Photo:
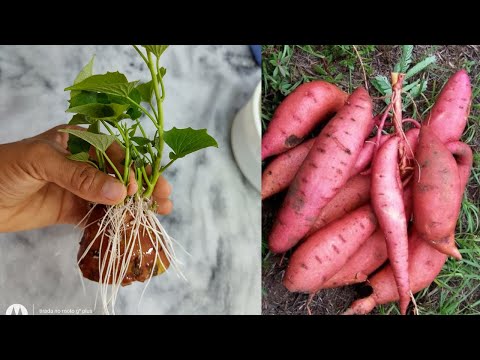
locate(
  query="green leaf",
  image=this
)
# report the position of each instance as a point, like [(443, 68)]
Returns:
[(132, 130), (82, 156), (141, 149), (420, 66), (186, 141), (94, 127), (146, 91), (157, 50), (99, 141), (140, 140), (77, 145), (79, 119), (410, 86), (405, 59), (113, 83), (163, 71), (89, 97), (134, 111), (86, 72), (381, 83), (100, 111)]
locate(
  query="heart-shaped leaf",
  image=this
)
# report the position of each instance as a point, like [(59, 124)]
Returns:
[(99, 141), (79, 119), (89, 97), (113, 83), (86, 72), (187, 141), (146, 91), (100, 111)]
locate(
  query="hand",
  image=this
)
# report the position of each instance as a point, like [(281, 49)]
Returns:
[(39, 186)]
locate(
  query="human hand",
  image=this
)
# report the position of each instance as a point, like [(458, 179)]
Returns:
[(39, 186)]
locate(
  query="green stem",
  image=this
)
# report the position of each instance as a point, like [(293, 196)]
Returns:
[(113, 167), (156, 166), (153, 108), (104, 123), (145, 111), (126, 166), (150, 150), (145, 176), (163, 168), (141, 54)]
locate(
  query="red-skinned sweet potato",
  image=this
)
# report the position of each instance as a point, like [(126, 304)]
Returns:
[(371, 255), (299, 113), (323, 254), (424, 265), (387, 201), (324, 172), (355, 193), (278, 175), (436, 193), (449, 115)]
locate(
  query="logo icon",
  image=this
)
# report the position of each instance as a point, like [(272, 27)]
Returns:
[(16, 309)]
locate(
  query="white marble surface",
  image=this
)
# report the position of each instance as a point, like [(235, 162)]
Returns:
[(217, 212)]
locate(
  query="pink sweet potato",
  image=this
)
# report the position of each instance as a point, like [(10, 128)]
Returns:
[(424, 265), (278, 175), (299, 113), (436, 193), (387, 201), (448, 116), (325, 252), (464, 157), (369, 257), (354, 194), (324, 172)]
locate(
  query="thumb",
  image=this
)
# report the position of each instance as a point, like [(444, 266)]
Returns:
[(84, 180)]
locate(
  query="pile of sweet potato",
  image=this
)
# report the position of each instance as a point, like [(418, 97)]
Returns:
[(379, 208)]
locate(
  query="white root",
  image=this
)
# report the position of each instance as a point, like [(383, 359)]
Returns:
[(113, 263)]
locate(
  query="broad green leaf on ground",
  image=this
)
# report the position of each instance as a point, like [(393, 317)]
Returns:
[(186, 141), (79, 119), (89, 97), (100, 111), (77, 145), (99, 141), (140, 140), (86, 72), (405, 59), (381, 83), (146, 91), (157, 50), (420, 66), (113, 83)]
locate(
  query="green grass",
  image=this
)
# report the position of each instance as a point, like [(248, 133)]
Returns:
[(456, 290)]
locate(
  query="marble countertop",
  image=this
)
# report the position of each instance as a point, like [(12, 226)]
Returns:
[(216, 213)]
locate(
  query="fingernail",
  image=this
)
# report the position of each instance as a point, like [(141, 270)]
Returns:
[(113, 190)]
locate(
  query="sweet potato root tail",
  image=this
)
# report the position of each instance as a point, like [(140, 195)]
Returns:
[(361, 306)]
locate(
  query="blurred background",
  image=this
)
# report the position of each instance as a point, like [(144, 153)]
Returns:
[(216, 214)]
